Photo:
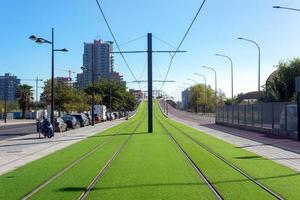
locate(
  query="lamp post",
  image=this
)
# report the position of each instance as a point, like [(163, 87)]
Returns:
[(205, 89), (5, 99), (190, 85), (215, 72), (258, 47), (231, 63), (44, 41), (286, 8)]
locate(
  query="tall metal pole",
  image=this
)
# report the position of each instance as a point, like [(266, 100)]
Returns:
[(93, 84), (52, 81), (36, 96), (5, 100), (150, 111), (216, 82), (110, 101), (258, 47), (231, 63), (297, 89)]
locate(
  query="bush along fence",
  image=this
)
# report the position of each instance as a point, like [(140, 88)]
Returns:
[(272, 118)]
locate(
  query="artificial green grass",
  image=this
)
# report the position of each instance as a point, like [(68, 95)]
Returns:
[(16, 184), (228, 182), (76, 180), (283, 180), (151, 167)]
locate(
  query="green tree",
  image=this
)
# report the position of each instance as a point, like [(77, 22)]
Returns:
[(66, 98), (281, 84), (202, 99), (24, 95), (114, 92)]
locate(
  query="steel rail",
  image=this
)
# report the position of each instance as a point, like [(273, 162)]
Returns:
[(205, 147), (192, 163), (107, 165), (71, 165)]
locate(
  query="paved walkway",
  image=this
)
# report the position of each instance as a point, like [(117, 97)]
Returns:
[(19, 151), (283, 151), (15, 123)]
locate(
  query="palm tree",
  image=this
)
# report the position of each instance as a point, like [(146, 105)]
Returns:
[(25, 98)]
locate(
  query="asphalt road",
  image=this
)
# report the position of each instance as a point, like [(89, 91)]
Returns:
[(12, 131)]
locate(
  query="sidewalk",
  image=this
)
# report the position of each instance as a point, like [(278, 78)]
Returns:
[(16, 152), (283, 151), (16, 123)]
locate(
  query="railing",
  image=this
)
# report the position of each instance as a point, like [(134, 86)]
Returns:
[(274, 118), (202, 118)]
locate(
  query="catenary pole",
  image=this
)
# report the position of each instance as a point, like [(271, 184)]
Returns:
[(150, 111)]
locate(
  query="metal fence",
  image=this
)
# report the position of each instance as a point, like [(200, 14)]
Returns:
[(274, 118)]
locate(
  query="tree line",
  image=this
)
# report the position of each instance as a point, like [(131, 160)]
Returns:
[(67, 98), (279, 87)]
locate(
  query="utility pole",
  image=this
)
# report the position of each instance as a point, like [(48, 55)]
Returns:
[(52, 80), (5, 100), (110, 101), (150, 81), (150, 111)]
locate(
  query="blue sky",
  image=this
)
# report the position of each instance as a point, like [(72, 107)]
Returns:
[(215, 31)]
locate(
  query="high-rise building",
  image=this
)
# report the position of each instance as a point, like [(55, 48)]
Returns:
[(185, 99), (97, 54), (8, 87)]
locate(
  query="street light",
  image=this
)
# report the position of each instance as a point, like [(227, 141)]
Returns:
[(205, 89), (193, 81), (258, 47), (44, 41), (216, 87), (286, 8), (190, 85), (221, 55)]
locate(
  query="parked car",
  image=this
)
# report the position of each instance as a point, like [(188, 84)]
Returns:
[(108, 116), (100, 110), (82, 119), (121, 114), (112, 116), (97, 119), (116, 115), (71, 121), (89, 116), (60, 125)]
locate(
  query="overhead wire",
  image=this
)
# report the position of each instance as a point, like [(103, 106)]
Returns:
[(157, 69), (165, 42), (131, 41), (114, 38), (144, 69), (181, 42)]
